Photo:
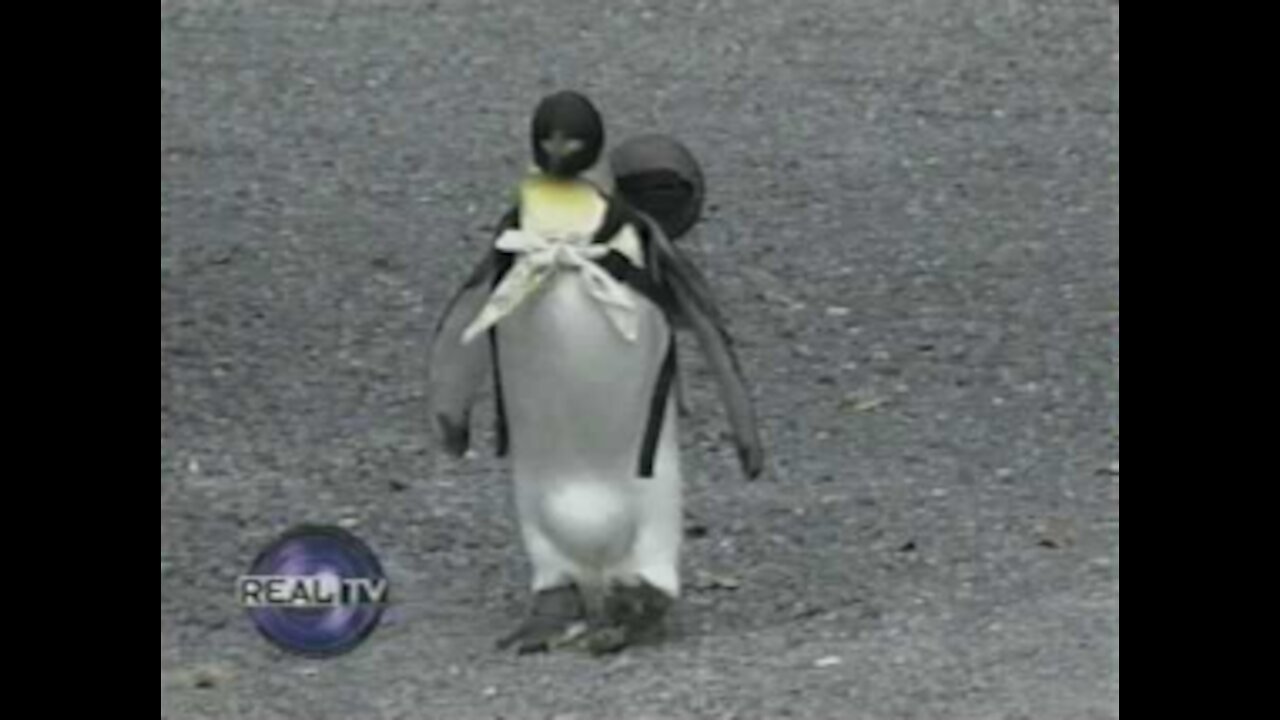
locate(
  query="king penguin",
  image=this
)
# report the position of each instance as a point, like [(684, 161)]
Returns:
[(574, 313)]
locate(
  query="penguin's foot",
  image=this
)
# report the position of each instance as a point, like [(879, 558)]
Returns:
[(632, 614), (638, 608), (556, 620)]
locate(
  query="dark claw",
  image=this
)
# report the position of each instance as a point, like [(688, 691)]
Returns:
[(752, 460), (457, 437), (607, 641), (533, 637)]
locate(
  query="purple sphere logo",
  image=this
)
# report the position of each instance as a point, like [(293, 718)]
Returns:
[(317, 591)]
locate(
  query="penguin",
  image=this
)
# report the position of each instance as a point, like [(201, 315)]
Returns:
[(574, 313)]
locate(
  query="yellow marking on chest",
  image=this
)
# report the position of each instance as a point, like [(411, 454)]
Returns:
[(557, 207)]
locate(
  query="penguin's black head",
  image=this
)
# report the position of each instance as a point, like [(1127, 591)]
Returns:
[(568, 135)]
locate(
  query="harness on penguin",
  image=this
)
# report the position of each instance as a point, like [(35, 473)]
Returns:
[(668, 278), (618, 266)]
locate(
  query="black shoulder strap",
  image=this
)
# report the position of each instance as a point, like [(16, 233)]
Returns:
[(503, 261), (616, 215), (645, 281), (658, 411)]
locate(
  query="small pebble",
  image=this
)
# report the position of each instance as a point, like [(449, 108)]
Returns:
[(697, 531), (209, 677), (869, 405), (721, 582)]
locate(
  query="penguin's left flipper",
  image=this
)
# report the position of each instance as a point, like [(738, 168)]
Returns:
[(694, 307)]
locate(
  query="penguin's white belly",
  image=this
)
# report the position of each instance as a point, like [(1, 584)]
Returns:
[(578, 397)]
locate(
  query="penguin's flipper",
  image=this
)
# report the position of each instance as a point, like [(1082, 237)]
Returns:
[(695, 308), (457, 371)]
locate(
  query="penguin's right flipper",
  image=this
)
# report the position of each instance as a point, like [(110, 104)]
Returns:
[(694, 307), (457, 371)]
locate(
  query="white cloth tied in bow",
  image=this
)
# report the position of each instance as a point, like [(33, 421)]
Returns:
[(540, 257)]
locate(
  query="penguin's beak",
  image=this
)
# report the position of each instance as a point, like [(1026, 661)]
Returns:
[(556, 165), (560, 150)]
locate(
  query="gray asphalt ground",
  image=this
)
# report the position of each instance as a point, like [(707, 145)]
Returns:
[(914, 223)]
